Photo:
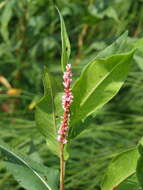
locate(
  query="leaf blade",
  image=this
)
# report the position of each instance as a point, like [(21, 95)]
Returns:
[(45, 114), (27, 171), (120, 168), (66, 49), (99, 82), (130, 183), (116, 47), (139, 169), (48, 114), (6, 17)]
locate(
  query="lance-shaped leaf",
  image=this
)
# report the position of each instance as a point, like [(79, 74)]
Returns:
[(120, 168), (66, 49), (48, 112), (99, 82), (30, 175), (45, 114)]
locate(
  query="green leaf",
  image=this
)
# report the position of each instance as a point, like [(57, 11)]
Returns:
[(48, 113), (5, 19), (120, 168), (30, 175), (111, 13), (131, 183), (139, 60), (139, 169), (117, 47), (95, 11), (45, 114), (98, 83), (139, 57), (66, 49)]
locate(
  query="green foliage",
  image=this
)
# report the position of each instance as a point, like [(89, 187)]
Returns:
[(46, 114), (33, 31), (130, 183), (66, 49), (99, 82), (121, 167), (118, 47), (139, 169), (6, 17), (31, 175)]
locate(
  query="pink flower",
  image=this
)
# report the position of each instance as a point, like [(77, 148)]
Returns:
[(67, 99)]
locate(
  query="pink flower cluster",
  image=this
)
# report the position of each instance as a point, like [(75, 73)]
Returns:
[(66, 102)]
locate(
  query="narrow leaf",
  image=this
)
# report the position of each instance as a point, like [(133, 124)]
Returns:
[(120, 168), (66, 49), (30, 175)]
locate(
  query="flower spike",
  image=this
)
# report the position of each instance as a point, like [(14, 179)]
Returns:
[(67, 99)]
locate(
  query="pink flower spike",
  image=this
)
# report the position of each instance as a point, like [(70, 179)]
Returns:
[(67, 99)]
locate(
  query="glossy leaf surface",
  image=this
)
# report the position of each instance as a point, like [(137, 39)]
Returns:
[(98, 83)]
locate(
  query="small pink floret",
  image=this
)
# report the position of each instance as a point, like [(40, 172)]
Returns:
[(59, 138), (65, 141), (67, 99)]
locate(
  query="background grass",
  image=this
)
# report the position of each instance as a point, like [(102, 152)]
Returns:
[(30, 39)]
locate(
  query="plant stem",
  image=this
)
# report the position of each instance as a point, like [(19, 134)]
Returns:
[(62, 167)]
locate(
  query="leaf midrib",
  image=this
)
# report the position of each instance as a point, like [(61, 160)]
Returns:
[(27, 165), (100, 82)]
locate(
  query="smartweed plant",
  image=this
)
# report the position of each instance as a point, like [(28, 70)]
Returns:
[(62, 115)]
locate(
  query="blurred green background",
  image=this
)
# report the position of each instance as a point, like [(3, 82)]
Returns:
[(30, 39)]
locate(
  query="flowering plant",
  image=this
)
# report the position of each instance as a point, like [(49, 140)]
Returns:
[(66, 102), (97, 84)]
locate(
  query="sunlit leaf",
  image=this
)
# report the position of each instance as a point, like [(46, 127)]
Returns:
[(98, 83), (120, 168)]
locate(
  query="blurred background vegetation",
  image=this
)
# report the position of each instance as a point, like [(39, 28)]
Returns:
[(30, 39)]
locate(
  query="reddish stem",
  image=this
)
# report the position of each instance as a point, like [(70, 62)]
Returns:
[(62, 167)]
